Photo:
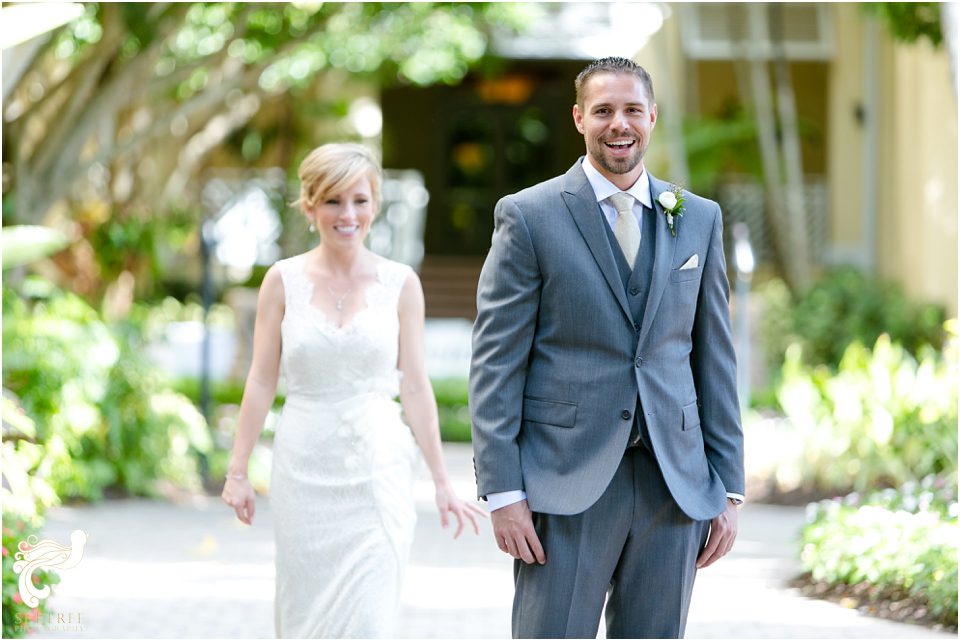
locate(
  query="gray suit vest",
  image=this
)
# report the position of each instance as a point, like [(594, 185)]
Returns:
[(636, 284)]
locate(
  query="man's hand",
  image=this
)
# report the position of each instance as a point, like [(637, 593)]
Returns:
[(513, 529), (723, 532)]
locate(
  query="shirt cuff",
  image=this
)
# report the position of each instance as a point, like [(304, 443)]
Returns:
[(737, 498), (497, 500)]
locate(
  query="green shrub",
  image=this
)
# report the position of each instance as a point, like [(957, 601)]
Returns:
[(25, 490), (152, 319), (26, 494), (843, 307), (227, 392), (882, 418), (105, 417), (895, 540), (18, 617), (776, 322), (452, 405)]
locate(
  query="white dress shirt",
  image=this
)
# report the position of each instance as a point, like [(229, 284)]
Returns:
[(602, 190)]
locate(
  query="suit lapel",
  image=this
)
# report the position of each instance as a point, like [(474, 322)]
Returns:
[(663, 257), (582, 203)]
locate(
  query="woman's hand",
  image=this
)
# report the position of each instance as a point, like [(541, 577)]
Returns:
[(448, 503), (238, 493)]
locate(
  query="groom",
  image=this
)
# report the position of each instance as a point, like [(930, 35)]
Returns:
[(606, 426)]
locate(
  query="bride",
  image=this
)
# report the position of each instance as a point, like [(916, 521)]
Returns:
[(346, 326)]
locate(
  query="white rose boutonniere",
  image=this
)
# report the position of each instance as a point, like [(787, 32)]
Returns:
[(672, 202)]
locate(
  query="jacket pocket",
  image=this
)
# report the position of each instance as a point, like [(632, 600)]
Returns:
[(691, 417), (559, 413), (685, 275)]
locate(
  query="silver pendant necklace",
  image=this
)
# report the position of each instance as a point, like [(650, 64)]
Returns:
[(340, 299)]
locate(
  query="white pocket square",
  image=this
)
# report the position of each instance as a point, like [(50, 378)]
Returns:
[(692, 263)]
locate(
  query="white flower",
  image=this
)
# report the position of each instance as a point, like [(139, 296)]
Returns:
[(668, 199)]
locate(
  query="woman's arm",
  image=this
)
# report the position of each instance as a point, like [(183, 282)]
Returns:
[(258, 394), (420, 406)]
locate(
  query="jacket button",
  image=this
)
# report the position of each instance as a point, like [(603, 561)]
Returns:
[(634, 291), (636, 327), (625, 415), (638, 362)]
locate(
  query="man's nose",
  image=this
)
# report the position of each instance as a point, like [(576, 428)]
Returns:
[(620, 120)]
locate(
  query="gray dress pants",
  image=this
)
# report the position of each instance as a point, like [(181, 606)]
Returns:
[(634, 547)]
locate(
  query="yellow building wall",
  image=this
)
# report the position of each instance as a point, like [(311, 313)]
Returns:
[(917, 232), (845, 143), (916, 186)]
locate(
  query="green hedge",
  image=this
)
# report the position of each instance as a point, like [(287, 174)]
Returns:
[(842, 307), (896, 541), (452, 405), (19, 619), (882, 419), (105, 417)]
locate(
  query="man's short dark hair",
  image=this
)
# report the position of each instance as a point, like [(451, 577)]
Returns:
[(613, 65)]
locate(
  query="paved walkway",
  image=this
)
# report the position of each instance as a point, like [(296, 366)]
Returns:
[(157, 569)]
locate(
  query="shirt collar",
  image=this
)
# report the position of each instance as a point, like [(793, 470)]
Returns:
[(603, 188)]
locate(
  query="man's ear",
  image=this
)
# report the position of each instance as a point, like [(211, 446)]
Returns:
[(653, 114), (577, 118)]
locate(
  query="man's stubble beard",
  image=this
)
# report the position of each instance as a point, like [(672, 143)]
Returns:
[(624, 166), (616, 166)]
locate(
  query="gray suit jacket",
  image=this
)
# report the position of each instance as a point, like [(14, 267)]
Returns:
[(558, 364)]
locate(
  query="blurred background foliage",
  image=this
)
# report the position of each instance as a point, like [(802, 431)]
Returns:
[(862, 397), (909, 21), (120, 110), (115, 114), (844, 306), (104, 416), (895, 548)]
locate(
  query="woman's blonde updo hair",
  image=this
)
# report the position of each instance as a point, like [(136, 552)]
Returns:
[(332, 168)]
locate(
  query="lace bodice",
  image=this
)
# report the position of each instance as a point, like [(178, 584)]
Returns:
[(324, 362)]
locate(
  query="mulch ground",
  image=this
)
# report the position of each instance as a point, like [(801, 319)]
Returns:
[(765, 491), (895, 605)]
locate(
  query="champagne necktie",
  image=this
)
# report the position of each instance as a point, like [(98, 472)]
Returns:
[(626, 229)]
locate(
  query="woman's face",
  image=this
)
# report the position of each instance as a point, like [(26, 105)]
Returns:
[(344, 219)]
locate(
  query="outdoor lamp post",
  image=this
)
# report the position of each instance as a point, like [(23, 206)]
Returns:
[(208, 246), (744, 261)]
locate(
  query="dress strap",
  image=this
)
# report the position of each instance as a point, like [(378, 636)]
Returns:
[(393, 275), (296, 287)]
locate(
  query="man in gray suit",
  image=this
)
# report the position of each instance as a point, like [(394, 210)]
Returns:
[(606, 425)]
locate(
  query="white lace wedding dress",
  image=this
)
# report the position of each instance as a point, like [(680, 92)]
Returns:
[(343, 462)]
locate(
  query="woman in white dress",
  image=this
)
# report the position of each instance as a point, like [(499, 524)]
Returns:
[(346, 328)]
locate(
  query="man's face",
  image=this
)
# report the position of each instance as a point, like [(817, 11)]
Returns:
[(616, 121)]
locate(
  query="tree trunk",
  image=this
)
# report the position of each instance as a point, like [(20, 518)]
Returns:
[(792, 157), (676, 148), (782, 163)]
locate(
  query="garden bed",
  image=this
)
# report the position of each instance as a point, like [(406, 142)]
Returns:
[(887, 603)]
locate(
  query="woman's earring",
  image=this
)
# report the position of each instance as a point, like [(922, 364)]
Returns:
[(312, 226)]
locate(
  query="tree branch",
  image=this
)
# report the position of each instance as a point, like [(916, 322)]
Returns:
[(60, 165)]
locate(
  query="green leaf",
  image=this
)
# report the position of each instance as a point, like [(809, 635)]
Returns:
[(24, 244), (15, 421)]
